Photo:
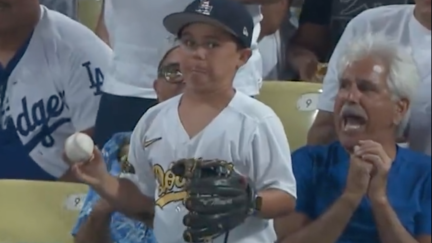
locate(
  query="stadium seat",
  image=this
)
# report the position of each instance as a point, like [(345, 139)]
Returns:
[(88, 12), (39, 212), (295, 104)]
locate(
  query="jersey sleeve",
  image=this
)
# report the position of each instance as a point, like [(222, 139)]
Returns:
[(143, 178), (304, 174), (86, 67), (331, 79), (271, 159), (423, 220)]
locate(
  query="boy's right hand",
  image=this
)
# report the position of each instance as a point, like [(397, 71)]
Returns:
[(92, 172)]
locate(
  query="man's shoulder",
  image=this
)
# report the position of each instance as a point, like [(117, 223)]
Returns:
[(155, 113), (156, 110), (382, 15), (319, 155), (250, 108), (415, 160), (64, 34)]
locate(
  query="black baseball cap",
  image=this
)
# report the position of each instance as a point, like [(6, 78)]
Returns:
[(229, 15)]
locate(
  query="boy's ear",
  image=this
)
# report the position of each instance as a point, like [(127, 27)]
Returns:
[(245, 54)]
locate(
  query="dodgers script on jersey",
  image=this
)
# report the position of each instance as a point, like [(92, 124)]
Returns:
[(138, 41), (246, 133), (54, 89)]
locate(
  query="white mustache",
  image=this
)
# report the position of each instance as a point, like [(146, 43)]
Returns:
[(352, 110)]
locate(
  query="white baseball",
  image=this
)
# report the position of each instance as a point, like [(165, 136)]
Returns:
[(79, 147)]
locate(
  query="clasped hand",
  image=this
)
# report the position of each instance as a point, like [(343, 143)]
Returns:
[(369, 168)]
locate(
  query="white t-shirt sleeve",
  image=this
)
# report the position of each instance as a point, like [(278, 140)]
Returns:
[(331, 79), (87, 67), (270, 157), (143, 178)]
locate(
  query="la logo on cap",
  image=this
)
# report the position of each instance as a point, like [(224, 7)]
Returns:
[(245, 32), (204, 7)]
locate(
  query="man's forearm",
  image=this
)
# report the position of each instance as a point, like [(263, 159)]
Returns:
[(389, 226), (125, 196), (329, 227), (95, 229)]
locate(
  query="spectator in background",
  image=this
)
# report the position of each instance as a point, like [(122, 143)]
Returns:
[(105, 22), (135, 61), (66, 7), (269, 41), (98, 222), (322, 23), (410, 26), (364, 188), (51, 72)]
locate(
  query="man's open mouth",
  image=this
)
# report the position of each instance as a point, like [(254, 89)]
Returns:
[(353, 123)]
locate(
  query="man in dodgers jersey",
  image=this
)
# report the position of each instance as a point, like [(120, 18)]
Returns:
[(135, 32), (210, 120), (51, 73), (410, 25), (98, 222)]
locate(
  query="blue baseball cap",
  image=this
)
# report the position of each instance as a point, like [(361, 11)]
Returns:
[(230, 15)]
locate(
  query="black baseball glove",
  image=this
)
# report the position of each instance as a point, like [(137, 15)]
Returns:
[(218, 199)]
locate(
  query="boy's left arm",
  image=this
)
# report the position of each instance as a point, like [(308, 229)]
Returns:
[(271, 169)]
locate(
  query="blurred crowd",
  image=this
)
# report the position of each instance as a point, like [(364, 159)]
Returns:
[(352, 182)]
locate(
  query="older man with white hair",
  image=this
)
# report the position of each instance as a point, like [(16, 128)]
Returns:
[(364, 188), (408, 25)]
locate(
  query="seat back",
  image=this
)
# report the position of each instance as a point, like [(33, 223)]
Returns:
[(296, 105), (39, 212)]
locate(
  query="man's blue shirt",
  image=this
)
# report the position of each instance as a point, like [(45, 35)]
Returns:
[(321, 173), (123, 229)]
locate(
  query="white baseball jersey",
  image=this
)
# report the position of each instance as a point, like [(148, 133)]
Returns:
[(246, 133), (397, 21), (136, 47), (54, 90)]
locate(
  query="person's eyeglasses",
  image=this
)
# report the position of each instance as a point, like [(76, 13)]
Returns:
[(171, 73)]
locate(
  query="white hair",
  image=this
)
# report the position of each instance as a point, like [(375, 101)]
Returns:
[(403, 77)]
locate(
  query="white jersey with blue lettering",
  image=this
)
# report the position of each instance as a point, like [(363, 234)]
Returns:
[(246, 133), (138, 42), (54, 89)]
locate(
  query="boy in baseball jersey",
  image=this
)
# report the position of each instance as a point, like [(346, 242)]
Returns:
[(51, 72), (211, 120), (98, 222), (135, 32)]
